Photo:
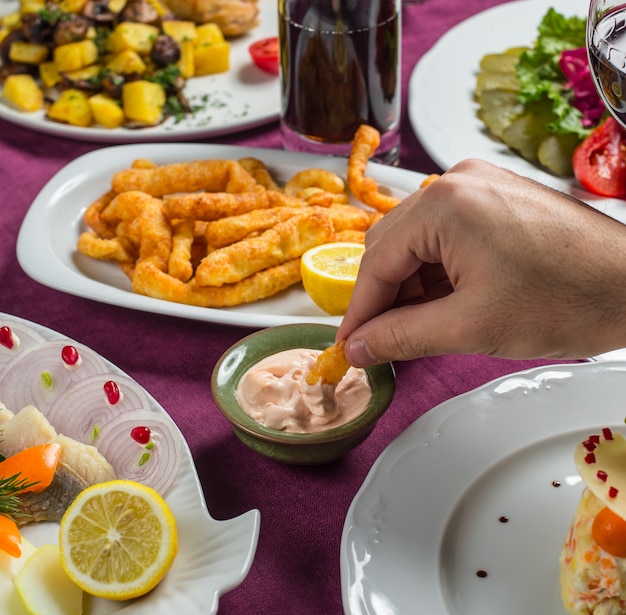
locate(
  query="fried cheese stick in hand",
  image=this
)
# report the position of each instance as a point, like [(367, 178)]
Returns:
[(283, 242), (330, 367)]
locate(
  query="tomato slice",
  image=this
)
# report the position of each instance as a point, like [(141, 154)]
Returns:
[(599, 162), (265, 54)]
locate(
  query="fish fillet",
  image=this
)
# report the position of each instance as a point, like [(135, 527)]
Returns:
[(80, 465)]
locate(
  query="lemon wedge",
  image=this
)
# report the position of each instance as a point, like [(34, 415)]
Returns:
[(118, 539), (329, 272), (44, 587)]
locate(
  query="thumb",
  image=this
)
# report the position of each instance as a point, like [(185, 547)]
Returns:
[(427, 329)]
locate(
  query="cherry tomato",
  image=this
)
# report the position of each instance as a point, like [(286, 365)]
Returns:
[(265, 54), (609, 531), (600, 160)]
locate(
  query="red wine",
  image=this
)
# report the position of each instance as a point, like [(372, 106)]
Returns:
[(607, 60), (335, 77)]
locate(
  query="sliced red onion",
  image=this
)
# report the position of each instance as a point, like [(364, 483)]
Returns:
[(155, 464), (85, 406), (20, 338), (40, 376)]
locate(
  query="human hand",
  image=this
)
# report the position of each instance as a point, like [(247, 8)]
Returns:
[(484, 261)]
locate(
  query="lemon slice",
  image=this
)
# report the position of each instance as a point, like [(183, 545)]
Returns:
[(118, 539), (329, 272)]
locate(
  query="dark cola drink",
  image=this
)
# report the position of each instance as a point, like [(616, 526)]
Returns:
[(339, 69)]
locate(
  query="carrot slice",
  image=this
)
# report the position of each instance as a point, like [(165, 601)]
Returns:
[(34, 466), (10, 537), (609, 531)]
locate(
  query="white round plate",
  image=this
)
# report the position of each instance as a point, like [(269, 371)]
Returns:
[(442, 109), (46, 244), (484, 482), (213, 556), (239, 99)]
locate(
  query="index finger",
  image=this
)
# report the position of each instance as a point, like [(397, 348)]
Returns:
[(386, 263)]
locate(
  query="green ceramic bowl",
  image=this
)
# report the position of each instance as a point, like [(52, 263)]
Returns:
[(314, 448)]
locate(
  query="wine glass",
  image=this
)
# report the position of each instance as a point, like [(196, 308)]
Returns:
[(606, 49)]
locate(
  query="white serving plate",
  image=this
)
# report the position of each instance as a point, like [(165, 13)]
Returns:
[(46, 245), (443, 116), (213, 556), (427, 517), (239, 99)]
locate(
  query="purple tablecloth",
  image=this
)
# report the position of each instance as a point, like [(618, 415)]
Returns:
[(296, 568)]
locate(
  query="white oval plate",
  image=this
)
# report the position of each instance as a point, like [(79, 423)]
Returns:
[(46, 245), (239, 99), (427, 518), (213, 556), (442, 109)]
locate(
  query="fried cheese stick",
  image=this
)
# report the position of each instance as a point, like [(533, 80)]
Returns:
[(210, 206), (209, 175), (366, 140), (149, 281), (330, 367), (283, 242)]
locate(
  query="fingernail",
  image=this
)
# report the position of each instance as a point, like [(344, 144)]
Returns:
[(359, 354)]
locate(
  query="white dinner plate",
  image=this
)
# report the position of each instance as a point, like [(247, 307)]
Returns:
[(213, 556), (241, 98), (46, 244), (442, 110), (484, 482)]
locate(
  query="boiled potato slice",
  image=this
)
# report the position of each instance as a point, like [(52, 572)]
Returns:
[(72, 107), (74, 56), (23, 92), (211, 50), (138, 37), (555, 153), (106, 110), (10, 601), (23, 52), (44, 586), (142, 101), (127, 62)]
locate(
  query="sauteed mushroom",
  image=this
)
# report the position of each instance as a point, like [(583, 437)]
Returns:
[(36, 29), (71, 29), (99, 11), (140, 11), (165, 51)]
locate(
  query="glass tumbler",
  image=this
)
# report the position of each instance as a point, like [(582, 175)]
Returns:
[(606, 47), (339, 68)]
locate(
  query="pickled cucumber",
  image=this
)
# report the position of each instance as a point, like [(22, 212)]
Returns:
[(523, 128)]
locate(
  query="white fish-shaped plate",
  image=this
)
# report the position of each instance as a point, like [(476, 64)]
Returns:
[(214, 556)]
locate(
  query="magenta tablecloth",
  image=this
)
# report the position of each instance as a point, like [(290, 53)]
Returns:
[(296, 569)]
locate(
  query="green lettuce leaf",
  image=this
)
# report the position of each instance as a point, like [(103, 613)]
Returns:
[(540, 76)]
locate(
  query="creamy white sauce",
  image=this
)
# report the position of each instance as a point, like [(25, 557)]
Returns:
[(275, 393)]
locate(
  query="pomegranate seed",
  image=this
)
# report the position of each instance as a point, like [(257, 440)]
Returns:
[(140, 434), (613, 492), (607, 433), (590, 458), (589, 445), (70, 355), (6, 337), (602, 475), (595, 439), (112, 392)]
